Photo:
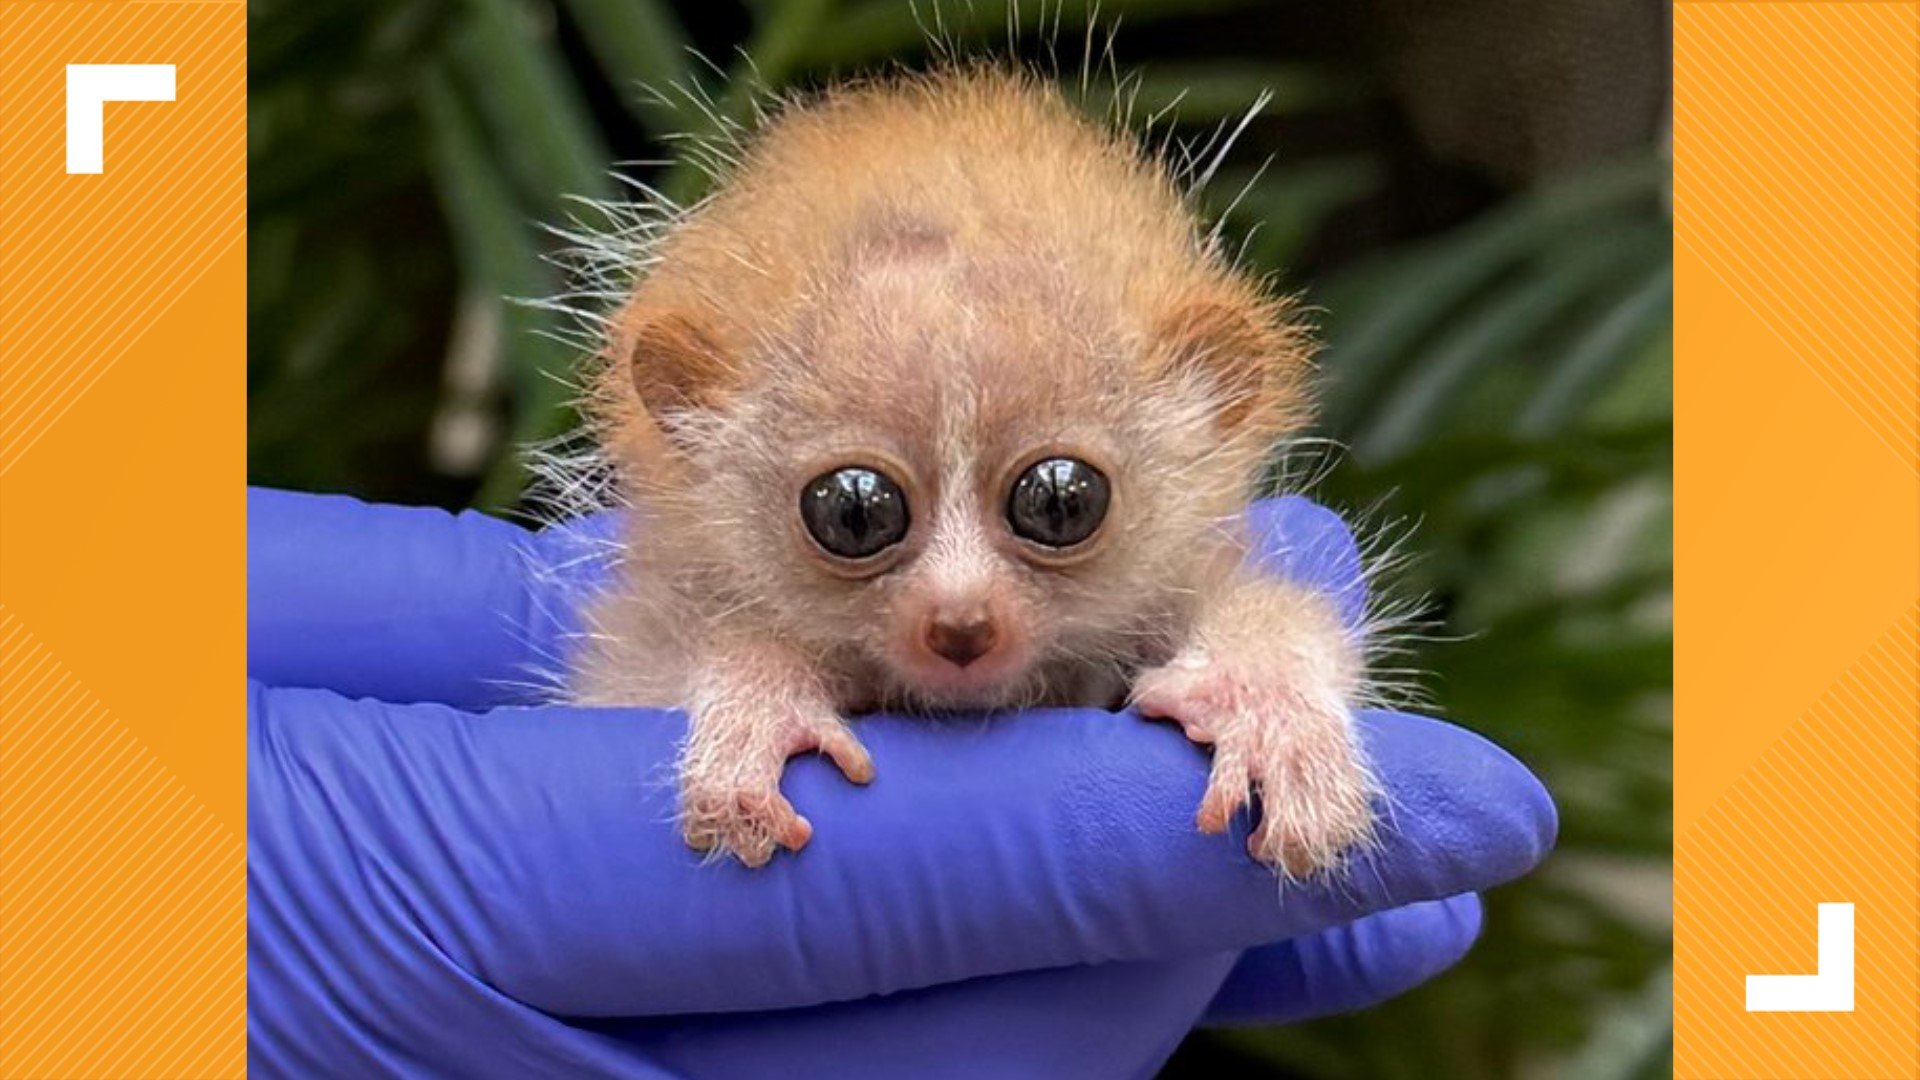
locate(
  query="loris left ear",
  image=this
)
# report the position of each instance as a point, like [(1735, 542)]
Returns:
[(675, 362), (665, 364), (1243, 347)]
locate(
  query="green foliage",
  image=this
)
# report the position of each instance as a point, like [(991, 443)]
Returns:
[(1505, 382)]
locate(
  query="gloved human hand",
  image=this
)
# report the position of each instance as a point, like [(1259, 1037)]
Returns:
[(446, 880)]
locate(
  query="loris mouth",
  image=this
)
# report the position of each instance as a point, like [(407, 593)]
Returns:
[(990, 683), (967, 694)]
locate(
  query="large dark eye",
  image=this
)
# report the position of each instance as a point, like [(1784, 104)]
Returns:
[(1059, 502), (854, 512)]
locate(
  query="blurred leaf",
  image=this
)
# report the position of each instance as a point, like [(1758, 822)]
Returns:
[(1437, 376), (778, 46), (642, 47), (509, 65), (1424, 287), (1278, 210), (1601, 351), (1579, 465), (881, 29), (1632, 1041), (501, 257), (769, 61), (1191, 95)]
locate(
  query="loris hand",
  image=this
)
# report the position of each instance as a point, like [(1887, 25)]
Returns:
[(445, 892)]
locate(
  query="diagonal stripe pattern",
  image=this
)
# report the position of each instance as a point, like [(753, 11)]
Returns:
[(1779, 156), (1808, 809), (89, 261), (116, 880)]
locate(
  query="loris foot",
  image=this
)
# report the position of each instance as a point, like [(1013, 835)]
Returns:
[(730, 800), (1288, 735)]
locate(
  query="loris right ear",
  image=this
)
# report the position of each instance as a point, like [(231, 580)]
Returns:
[(1244, 349), (677, 365)]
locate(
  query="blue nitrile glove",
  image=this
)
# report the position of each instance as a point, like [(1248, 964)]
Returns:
[(439, 891)]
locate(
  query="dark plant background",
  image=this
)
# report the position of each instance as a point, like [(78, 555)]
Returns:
[(1473, 192)]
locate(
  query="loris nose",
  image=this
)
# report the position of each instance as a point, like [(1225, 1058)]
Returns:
[(961, 640)]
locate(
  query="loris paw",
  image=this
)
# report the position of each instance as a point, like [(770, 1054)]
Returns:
[(1289, 738), (730, 800)]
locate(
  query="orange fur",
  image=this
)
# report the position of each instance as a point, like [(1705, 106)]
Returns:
[(945, 277)]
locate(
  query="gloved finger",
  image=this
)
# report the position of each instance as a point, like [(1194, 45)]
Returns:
[(410, 604), (537, 847), (1115, 1020), (1347, 967), (1305, 542)]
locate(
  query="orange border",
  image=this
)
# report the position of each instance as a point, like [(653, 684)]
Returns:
[(121, 333), (1798, 528), (122, 442)]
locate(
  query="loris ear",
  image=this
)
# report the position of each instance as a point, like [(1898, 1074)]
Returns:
[(1253, 360), (676, 365)]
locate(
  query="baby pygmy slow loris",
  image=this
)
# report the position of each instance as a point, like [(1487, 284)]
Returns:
[(944, 401)]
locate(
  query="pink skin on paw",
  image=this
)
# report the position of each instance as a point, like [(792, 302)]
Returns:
[(1288, 740), (730, 800)]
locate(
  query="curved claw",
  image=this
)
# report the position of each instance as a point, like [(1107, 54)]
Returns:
[(750, 826), (731, 802), (1229, 789), (847, 754)]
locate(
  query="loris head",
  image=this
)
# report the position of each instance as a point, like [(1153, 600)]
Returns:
[(967, 447)]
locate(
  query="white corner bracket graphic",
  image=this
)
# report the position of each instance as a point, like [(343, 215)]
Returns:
[(1830, 990), (89, 88)]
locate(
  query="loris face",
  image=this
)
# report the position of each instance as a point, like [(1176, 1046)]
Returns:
[(963, 487), (968, 577)]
